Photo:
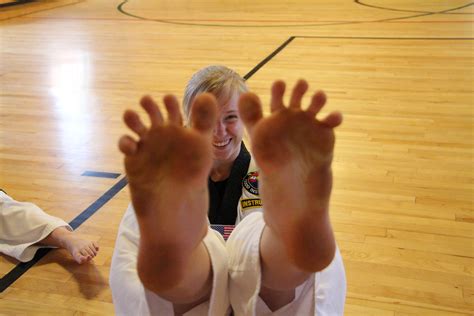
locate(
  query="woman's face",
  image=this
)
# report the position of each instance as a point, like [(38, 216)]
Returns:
[(228, 132)]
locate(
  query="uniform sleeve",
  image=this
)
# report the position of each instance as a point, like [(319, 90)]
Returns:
[(250, 201)]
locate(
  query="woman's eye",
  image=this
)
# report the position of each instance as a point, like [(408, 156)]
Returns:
[(231, 117)]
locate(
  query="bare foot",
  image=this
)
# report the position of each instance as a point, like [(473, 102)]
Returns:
[(167, 170), (80, 249), (294, 151)]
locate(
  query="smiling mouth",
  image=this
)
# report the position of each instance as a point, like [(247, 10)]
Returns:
[(222, 144)]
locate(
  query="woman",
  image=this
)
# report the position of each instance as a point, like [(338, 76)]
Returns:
[(229, 200), (272, 256)]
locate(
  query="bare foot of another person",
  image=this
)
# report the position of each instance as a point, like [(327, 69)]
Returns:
[(167, 170), (80, 249), (294, 151)]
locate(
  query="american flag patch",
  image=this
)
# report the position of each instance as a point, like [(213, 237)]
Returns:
[(224, 230)]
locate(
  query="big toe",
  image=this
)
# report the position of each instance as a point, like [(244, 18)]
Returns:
[(80, 258), (250, 109), (204, 112)]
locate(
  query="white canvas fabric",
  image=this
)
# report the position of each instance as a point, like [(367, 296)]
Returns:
[(322, 294), (22, 225), (129, 295)]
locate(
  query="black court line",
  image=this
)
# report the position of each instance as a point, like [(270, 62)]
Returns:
[(22, 267), (14, 3), (41, 10), (122, 10), (413, 11), (389, 38), (99, 174), (420, 14), (425, 14), (289, 40), (268, 58), (94, 207)]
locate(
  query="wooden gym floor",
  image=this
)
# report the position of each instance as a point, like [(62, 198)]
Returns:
[(400, 71)]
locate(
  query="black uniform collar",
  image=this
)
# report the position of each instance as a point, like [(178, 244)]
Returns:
[(226, 212)]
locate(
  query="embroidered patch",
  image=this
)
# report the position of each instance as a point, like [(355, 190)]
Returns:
[(250, 203), (250, 182)]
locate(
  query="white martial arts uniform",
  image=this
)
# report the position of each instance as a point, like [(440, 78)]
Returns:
[(129, 295), (22, 225), (236, 271), (322, 294)]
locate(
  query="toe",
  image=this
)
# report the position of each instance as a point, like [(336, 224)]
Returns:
[(151, 108), (172, 106), (128, 145), (250, 109), (298, 91), (204, 113), (133, 121), (87, 252), (317, 102), (92, 248), (80, 257), (334, 119), (278, 90)]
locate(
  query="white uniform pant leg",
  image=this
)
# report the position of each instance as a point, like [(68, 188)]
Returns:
[(218, 304), (128, 293), (22, 225), (243, 248), (330, 291), (322, 294)]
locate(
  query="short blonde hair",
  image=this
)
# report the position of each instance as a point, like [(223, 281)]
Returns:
[(219, 80)]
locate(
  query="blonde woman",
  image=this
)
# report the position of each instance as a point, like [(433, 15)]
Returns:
[(281, 259)]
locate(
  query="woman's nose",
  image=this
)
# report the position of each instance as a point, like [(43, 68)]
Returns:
[(219, 129)]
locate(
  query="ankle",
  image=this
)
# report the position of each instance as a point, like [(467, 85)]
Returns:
[(160, 269), (163, 268), (57, 238), (313, 248)]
